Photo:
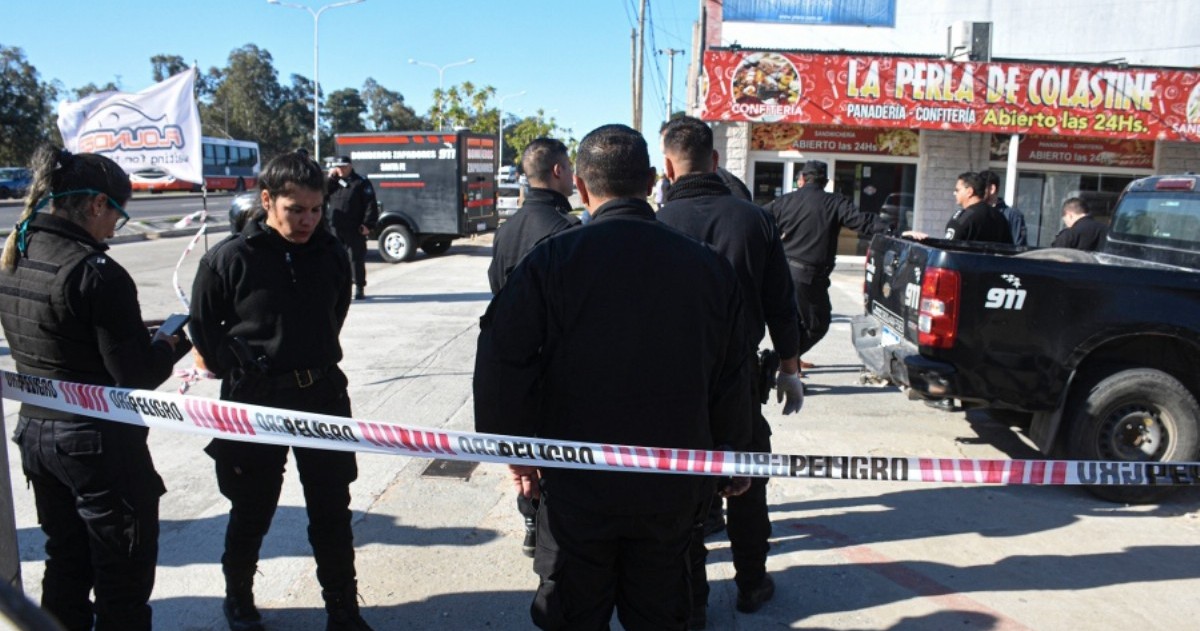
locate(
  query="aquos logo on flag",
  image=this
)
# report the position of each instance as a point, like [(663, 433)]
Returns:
[(158, 127)]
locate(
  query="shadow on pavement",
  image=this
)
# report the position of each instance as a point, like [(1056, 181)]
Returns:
[(199, 541), (852, 527)]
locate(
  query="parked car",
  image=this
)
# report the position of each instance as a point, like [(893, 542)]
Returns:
[(14, 182), (507, 196)]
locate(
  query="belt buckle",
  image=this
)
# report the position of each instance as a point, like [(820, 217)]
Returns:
[(304, 378)]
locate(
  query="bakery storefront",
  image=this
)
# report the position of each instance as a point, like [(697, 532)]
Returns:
[(896, 130)]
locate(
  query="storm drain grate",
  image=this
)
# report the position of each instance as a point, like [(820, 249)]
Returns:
[(460, 469)]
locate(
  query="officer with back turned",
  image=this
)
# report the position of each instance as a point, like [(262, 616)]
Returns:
[(809, 221)]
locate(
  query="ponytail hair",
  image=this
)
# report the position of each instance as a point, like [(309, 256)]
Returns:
[(56, 171)]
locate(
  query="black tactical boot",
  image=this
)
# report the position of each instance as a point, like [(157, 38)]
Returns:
[(529, 546), (239, 607), (342, 606)]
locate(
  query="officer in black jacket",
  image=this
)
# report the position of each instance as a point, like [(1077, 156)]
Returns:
[(71, 312), (809, 221), (353, 213), (546, 211), (1082, 231), (700, 205), (623, 332), (268, 305)]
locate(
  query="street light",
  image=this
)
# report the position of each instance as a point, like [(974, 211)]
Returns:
[(316, 64), (500, 126), (441, 70)]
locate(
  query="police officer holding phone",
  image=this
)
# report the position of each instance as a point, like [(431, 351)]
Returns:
[(71, 312)]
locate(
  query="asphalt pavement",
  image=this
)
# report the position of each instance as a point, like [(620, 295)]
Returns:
[(444, 551)]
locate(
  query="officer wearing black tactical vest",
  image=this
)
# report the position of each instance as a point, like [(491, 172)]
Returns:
[(70, 312)]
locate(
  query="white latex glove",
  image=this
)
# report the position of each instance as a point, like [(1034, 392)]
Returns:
[(789, 386)]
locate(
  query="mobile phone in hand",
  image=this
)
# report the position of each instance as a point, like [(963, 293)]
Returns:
[(173, 324)]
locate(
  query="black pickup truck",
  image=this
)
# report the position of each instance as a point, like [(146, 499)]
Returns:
[(1100, 351)]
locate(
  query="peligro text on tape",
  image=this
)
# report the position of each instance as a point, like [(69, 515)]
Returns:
[(255, 423)]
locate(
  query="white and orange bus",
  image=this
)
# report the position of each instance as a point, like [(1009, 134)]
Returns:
[(229, 165)]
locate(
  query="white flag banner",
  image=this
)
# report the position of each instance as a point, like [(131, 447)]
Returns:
[(158, 127)]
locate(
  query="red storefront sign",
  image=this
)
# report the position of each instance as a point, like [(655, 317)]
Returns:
[(924, 93), (814, 138), (1134, 154)]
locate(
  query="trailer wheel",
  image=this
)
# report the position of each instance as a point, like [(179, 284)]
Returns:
[(396, 244), (434, 248), (1134, 415)]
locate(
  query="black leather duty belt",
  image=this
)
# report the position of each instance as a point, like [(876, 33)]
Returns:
[(301, 378), (807, 267)]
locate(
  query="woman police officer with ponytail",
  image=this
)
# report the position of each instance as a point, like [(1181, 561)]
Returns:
[(70, 312)]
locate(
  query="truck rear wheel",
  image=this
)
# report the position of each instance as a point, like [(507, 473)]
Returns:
[(436, 247), (1134, 415), (396, 244)]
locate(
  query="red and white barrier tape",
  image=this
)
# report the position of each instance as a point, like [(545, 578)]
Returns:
[(254, 423)]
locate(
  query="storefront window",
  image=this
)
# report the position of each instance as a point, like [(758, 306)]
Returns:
[(768, 181)]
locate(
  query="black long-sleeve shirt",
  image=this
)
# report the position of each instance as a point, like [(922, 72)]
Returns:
[(704, 208), (544, 212), (287, 301), (1087, 234), (810, 219), (623, 332)]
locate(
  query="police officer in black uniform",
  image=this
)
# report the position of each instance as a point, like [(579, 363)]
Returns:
[(353, 212), (625, 332), (71, 312), (701, 205), (546, 210), (809, 221), (267, 307), (1082, 231), (976, 220)]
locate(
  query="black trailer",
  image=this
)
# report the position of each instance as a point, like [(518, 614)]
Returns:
[(432, 187)]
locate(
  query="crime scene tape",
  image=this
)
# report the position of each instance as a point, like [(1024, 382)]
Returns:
[(255, 423)]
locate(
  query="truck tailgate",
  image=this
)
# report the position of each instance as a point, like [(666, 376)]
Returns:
[(893, 287)]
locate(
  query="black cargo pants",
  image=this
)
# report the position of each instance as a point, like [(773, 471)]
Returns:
[(816, 312), (356, 246), (250, 476), (747, 522), (97, 495)]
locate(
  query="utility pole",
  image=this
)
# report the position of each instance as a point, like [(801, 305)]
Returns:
[(641, 61), (633, 97), (671, 52)]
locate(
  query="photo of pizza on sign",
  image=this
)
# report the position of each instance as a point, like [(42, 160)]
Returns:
[(765, 83)]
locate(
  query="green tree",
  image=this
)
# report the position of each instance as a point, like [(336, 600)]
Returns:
[(344, 109), (92, 88), (165, 66), (250, 98), (518, 135), (296, 116), (24, 106), (386, 110), (465, 106)]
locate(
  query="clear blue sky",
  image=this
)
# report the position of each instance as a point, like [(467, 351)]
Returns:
[(571, 57)]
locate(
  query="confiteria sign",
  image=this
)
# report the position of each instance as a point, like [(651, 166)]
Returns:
[(921, 93)]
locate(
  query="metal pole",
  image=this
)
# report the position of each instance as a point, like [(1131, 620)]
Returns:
[(1010, 176), (316, 15), (441, 76), (671, 52), (316, 85), (641, 60), (500, 125)]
